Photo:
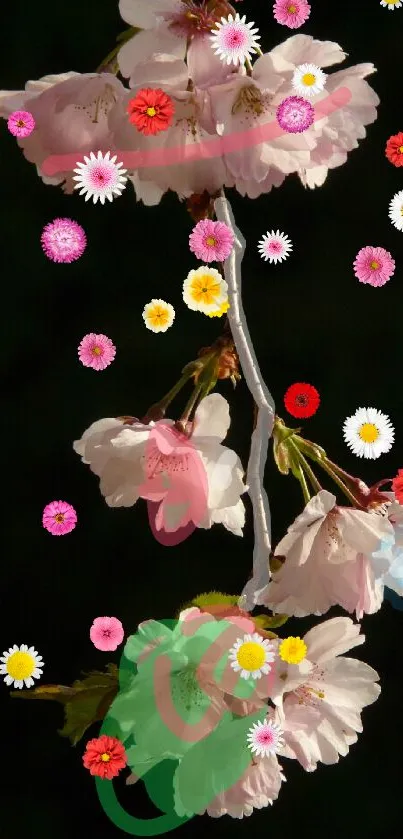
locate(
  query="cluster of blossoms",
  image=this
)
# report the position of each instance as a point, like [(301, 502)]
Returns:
[(213, 679), (194, 117)]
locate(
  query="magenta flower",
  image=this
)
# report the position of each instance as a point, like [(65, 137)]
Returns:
[(96, 351), (295, 114), (211, 241), (106, 633), (291, 13), (59, 518), (21, 123), (374, 266), (63, 240)]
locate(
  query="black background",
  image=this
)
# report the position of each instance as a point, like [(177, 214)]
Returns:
[(310, 319)]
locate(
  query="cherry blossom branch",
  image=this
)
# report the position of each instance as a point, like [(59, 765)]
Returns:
[(254, 589)]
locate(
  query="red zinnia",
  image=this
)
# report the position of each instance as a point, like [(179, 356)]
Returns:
[(397, 486), (394, 149), (302, 400), (105, 756), (151, 111)]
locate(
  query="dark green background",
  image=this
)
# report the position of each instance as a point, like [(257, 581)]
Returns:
[(310, 319)]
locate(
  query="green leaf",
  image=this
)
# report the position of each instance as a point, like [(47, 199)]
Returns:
[(85, 703), (281, 457), (213, 598), (270, 621)]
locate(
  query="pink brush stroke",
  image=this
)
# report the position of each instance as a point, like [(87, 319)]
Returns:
[(204, 150)]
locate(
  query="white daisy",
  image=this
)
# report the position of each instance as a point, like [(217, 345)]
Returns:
[(391, 4), (265, 738), (369, 433), (205, 290), (252, 656), (396, 210), (275, 246), (21, 664), (158, 315), (308, 80), (100, 177), (234, 40)]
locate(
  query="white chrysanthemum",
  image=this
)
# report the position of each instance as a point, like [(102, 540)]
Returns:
[(21, 664), (252, 656), (275, 246), (205, 290), (99, 177), (368, 433), (234, 40), (391, 4), (396, 210), (158, 315), (308, 80), (264, 738)]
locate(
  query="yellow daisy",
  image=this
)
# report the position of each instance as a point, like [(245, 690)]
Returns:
[(204, 290), (158, 315), (21, 664), (292, 650)]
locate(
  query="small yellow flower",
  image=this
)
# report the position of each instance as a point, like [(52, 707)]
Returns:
[(158, 315), (292, 650), (220, 311)]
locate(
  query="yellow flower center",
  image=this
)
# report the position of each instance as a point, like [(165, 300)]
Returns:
[(251, 656), (59, 518), (97, 351), (20, 665), (374, 264), (309, 79), (158, 316), (105, 757), (368, 432), (205, 289), (211, 241), (151, 112), (401, 149), (292, 10), (292, 650)]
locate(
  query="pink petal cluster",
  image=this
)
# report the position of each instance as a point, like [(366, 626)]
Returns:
[(63, 240), (107, 633), (211, 241), (96, 351), (374, 266), (291, 13), (59, 518), (295, 114), (21, 123)]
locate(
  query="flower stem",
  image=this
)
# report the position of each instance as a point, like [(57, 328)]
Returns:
[(301, 477), (122, 39), (254, 589), (303, 463), (194, 396)]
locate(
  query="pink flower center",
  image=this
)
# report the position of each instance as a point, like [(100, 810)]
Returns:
[(106, 633), (266, 737), (275, 247), (100, 176), (234, 38)]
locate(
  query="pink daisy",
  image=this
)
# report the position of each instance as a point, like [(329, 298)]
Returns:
[(374, 266), (295, 114), (264, 738), (211, 241), (106, 633), (291, 13), (59, 518), (96, 351), (63, 240), (21, 123)]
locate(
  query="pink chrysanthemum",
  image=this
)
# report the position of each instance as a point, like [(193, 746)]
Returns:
[(21, 123), (295, 114), (96, 351), (291, 13), (211, 241), (106, 633), (59, 518), (374, 266), (63, 240)]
